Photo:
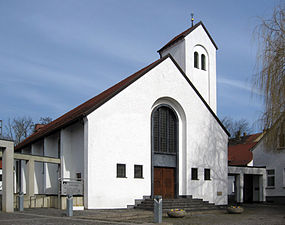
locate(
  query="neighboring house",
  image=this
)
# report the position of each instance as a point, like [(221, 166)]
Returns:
[(154, 133), (246, 182), (274, 160)]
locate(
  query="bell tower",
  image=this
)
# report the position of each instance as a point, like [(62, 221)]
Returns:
[(195, 52)]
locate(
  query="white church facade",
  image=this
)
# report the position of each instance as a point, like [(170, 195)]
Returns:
[(154, 133)]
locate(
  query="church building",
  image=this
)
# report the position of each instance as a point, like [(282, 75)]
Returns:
[(154, 133)]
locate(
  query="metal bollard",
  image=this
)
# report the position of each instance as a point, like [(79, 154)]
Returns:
[(69, 205), (21, 201), (157, 207)]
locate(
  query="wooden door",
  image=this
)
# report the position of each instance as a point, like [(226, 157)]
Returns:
[(164, 182)]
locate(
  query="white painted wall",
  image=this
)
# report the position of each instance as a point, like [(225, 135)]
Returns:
[(51, 170), (272, 159), (24, 170), (72, 150), (120, 132), (37, 149), (183, 53)]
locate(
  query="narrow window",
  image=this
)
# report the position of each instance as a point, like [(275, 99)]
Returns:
[(164, 130), (203, 62), (270, 178), (0, 177), (194, 173), (196, 60), (121, 170), (138, 171), (207, 174)]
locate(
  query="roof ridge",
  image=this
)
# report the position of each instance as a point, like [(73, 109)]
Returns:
[(184, 34)]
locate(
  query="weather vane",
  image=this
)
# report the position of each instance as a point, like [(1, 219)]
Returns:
[(192, 19)]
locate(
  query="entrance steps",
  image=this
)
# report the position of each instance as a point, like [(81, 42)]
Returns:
[(188, 204)]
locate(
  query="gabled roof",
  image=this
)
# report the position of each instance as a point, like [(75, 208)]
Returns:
[(239, 149), (184, 34), (86, 108)]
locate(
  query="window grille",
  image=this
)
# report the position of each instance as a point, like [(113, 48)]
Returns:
[(164, 130)]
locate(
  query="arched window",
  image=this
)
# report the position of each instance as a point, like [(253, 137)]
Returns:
[(196, 60), (164, 130), (203, 62)]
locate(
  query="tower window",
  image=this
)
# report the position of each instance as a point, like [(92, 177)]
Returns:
[(196, 60), (203, 62)]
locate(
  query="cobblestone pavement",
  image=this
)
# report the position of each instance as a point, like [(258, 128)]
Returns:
[(254, 214)]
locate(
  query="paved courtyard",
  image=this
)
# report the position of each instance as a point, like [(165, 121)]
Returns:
[(253, 214)]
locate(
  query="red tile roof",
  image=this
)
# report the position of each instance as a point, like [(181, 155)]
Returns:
[(184, 34), (239, 153)]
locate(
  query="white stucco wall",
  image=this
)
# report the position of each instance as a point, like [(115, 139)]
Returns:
[(272, 159), (177, 51), (24, 170), (72, 150), (51, 170), (37, 149), (120, 132)]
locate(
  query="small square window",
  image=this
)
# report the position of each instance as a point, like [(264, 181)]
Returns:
[(78, 175), (121, 170), (138, 171), (194, 173), (207, 174)]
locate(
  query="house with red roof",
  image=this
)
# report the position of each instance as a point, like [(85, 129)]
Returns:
[(246, 182), (154, 133), (273, 157)]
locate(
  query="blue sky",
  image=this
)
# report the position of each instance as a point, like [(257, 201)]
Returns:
[(54, 55)]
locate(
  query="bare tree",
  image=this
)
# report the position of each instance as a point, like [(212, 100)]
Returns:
[(45, 120), (19, 128), (270, 78), (238, 127)]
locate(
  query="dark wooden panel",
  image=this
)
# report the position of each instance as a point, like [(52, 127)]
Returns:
[(164, 182), (169, 182), (157, 181)]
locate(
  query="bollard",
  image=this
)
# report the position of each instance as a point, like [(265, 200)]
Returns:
[(157, 207), (69, 205), (21, 201)]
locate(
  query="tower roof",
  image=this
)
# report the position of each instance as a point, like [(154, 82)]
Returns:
[(184, 34)]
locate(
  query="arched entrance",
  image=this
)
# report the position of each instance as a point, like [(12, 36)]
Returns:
[(164, 152)]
